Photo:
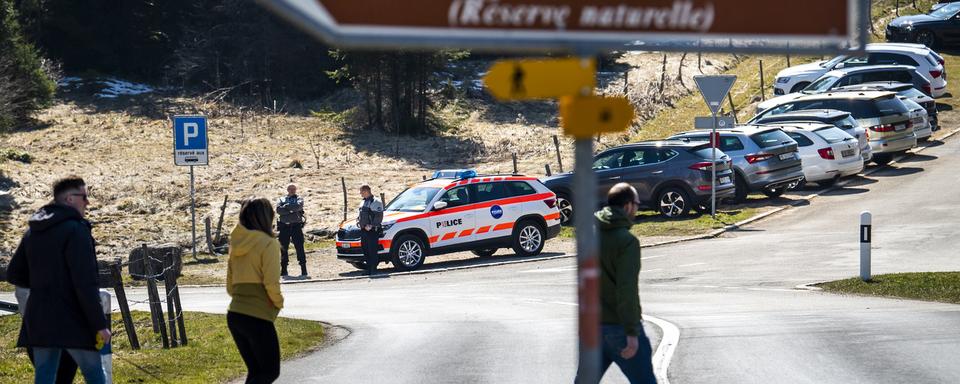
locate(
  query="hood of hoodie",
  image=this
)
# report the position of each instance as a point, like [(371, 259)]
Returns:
[(612, 218), (53, 214), (244, 241)]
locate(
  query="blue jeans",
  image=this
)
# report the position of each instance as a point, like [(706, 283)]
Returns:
[(47, 360), (639, 369)]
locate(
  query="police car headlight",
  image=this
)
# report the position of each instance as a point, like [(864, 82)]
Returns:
[(386, 227), (783, 80)]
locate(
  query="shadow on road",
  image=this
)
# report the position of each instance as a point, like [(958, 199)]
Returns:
[(846, 192), (901, 171), (933, 143), (427, 266), (859, 181), (919, 158)]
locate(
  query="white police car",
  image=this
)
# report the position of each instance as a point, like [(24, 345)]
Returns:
[(460, 211)]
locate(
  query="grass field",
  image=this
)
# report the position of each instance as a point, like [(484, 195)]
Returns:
[(209, 357)]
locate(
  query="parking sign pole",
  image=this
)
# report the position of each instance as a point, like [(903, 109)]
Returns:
[(193, 213), (584, 203), (713, 180)]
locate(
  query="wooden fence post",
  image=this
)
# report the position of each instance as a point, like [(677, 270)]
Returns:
[(733, 109), (223, 209), (762, 86), (514, 155), (343, 182), (556, 145), (156, 308), (547, 166), (124, 306)]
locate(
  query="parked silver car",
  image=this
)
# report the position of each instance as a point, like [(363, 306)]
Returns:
[(884, 115), (839, 119), (765, 159), (671, 176)]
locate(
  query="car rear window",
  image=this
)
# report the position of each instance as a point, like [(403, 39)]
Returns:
[(932, 60), (911, 93), (832, 134), (771, 138), (890, 106), (801, 140), (707, 152)]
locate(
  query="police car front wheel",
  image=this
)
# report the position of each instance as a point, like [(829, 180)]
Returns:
[(528, 238), (408, 253)]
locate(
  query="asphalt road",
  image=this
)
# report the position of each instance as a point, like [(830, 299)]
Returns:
[(741, 319)]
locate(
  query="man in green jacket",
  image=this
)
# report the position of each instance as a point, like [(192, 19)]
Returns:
[(624, 341)]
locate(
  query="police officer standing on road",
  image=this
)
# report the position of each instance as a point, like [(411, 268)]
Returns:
[(290, 221), (371, 216)]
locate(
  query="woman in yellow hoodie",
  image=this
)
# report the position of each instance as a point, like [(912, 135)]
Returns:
[(253, 282)]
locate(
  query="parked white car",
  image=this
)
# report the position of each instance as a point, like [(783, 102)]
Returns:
[(929, 64), (826, 152), (919, 119)]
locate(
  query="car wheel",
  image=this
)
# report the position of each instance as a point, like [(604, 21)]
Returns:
[(742, 191), (774, 192), (799, 86), (528, 238), (673, 202), (882, 159), (926, 38), (484, 252), (408, 253), (565, 205)]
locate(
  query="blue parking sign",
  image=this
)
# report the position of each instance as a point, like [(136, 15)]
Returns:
[(190, 140)]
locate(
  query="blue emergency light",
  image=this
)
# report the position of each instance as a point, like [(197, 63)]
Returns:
[(455, 174)]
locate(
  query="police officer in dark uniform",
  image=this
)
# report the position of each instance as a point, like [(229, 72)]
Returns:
[(290, 222), (371, 216)]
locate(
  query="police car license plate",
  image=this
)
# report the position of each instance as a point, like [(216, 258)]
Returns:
[(847, 153), (725, 180), (786, 156)]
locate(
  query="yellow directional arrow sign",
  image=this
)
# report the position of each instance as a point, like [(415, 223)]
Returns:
[(541, 79), (585, 116)]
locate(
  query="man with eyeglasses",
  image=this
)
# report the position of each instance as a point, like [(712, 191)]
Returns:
[(57, 261), (624, 341)]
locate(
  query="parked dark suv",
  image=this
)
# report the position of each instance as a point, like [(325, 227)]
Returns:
[(765, 159), (906, 91), (671, 176)]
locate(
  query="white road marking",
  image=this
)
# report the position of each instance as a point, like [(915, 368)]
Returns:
[(652, 270), (651, 257), (690, 265), (664, 352)]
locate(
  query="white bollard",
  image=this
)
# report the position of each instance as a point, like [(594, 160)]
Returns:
[(866, 235), (106, 353)]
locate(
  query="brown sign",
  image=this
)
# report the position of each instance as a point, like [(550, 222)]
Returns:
[(509, 24)]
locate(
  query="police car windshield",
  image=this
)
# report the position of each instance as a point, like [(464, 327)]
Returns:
[(413, 200)]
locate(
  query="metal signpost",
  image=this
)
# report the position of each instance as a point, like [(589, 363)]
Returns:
[(190, 149), (714, 89), (582, 28)]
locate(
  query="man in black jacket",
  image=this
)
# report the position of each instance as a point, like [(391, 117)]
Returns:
[(290, 221), (57, 261)]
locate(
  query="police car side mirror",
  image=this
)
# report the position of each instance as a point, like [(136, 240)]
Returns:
[(439, 205)]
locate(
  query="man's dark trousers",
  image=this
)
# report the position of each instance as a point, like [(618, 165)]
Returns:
[(370, 241), (293, 232)]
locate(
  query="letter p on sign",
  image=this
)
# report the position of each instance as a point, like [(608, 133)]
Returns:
[(190, 131)]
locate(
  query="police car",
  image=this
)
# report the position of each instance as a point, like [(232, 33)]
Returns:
[(459, 210)]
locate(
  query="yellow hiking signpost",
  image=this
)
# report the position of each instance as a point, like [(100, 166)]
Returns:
[(572, 81), (540, 79), (586, 116)]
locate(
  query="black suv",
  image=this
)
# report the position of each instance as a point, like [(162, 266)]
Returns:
[(671, 176)]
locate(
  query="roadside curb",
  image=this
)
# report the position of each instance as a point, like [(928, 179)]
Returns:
[(811, 286), (710, 235)]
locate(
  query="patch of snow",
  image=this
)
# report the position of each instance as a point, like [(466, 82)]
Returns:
[(117, 87)]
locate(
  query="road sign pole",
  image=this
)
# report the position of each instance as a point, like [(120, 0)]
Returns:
[(713, 180), (193, 213), (866, 234), (584, 202)]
